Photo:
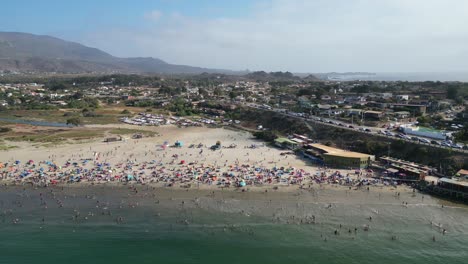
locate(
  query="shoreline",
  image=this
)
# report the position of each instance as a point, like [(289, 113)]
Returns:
[(250, 167)]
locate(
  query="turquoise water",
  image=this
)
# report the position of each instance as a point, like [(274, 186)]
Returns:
[(73, 226)]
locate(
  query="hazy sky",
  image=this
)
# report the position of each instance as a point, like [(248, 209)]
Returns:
[(294, 35)]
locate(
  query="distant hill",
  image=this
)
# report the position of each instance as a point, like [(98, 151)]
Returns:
[(272, 76), (23, 52)]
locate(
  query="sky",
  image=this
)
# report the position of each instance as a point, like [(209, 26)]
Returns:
[(271, 35)]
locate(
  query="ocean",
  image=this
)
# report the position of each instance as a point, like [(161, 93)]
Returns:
[(124, 225), (409, 76)]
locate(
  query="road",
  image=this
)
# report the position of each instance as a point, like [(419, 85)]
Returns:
[(360, 129)]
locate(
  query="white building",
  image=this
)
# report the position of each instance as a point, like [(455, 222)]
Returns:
[(424, 132)]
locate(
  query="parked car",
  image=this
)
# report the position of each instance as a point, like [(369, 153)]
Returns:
[(424, 140), (457, 146), (446, 144)]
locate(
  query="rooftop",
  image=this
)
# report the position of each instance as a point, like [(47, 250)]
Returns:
[(284, 140), (406, 163), (339, 152), (454, 181)]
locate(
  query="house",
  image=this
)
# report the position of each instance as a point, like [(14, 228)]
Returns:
[(286, 143), (401, 114), (402, 97), (404, 170), (354, 112), (380, 105), (324, 106), (413, 108), (454, 188), (335, 157), (373, 114), (462, 174)]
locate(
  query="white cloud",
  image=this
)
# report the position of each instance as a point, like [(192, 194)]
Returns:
[(153, 15), (308, 36)]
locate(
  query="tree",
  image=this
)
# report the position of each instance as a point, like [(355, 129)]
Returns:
[(266, 135), (459, 100), (75, 121), (203, 92), (452, 92), (78, 95), (305, 91), (218, 91), (58, 86), (232, 95), (4, 129)]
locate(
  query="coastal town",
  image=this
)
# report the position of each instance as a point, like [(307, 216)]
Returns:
[(426, 115), (234, 132)]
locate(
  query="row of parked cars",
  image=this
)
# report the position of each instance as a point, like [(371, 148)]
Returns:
[(445, 143), (336, 123)]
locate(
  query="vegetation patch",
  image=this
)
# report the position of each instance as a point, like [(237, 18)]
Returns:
[(127, 131), (57, 137)]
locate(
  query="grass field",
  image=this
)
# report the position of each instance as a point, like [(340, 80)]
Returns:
[(54, 136), (103, 115), (127, 131)]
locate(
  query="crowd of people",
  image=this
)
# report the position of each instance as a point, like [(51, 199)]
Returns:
[(171, 170)]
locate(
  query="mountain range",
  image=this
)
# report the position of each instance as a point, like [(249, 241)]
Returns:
[(24, 52)]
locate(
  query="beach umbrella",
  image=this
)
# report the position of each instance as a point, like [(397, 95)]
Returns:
[(17, 162)]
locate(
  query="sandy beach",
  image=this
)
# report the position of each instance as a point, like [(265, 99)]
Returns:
[(240, 161)]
